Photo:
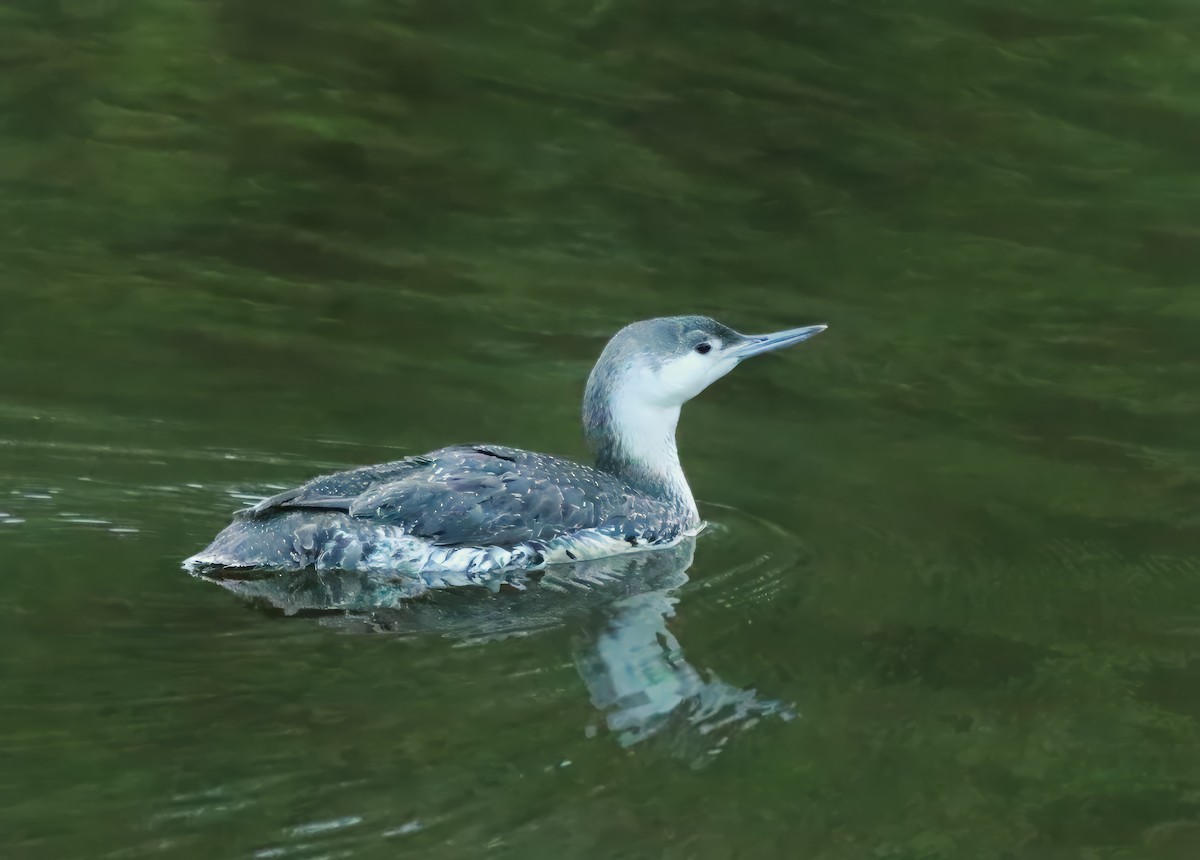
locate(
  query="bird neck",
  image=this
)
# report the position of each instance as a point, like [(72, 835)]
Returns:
[(635, 440)]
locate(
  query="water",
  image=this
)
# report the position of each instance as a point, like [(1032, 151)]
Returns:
[(949, 604)]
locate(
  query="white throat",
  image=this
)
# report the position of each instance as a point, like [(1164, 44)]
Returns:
[(645, 434)]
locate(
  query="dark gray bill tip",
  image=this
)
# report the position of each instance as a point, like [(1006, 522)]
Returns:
[(756, 344)]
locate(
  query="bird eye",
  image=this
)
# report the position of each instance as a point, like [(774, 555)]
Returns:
[(704, 348)]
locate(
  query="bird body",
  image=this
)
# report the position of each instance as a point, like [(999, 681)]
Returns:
[(467, 513), (469, 510)]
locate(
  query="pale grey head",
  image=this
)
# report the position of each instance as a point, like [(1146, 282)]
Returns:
[(644, 376)]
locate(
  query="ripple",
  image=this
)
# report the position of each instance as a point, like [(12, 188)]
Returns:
[(208, 803), (333, 837), (406, 829), (746, 561), (117, 508), (316, 827), (88, 451)]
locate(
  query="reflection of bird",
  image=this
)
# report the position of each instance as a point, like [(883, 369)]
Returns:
[(639, 678), (462, 514), (619, 607)]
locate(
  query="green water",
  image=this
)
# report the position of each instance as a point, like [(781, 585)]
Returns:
[(949, 604)]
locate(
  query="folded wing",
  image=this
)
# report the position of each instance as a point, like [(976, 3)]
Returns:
[(481, 495)]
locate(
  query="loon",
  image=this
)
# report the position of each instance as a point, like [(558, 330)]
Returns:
[(470, 514)]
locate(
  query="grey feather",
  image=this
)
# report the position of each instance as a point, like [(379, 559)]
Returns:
[(483, 496)]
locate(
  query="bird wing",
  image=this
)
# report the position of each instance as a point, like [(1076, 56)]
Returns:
[(336, 491), (490, 495)]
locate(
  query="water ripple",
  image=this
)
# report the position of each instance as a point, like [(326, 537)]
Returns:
[(747, 561)]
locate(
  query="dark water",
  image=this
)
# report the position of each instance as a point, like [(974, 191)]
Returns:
[(949, 606)]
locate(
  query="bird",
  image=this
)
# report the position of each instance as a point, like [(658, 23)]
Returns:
[(474, 514)]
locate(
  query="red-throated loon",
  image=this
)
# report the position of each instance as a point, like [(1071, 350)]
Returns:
[(471, 514)]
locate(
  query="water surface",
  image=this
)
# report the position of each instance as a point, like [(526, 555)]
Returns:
[(949, 603)]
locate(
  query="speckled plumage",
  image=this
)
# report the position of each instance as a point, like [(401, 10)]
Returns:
[(471, 509), (482, 494)]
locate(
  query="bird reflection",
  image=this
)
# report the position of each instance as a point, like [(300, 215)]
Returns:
[(638, 677), (635, 670)]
